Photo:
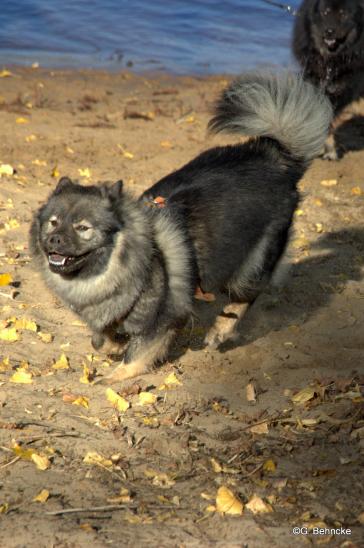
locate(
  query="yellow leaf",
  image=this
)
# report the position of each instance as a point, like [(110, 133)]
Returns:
[(88, 375), (356, 191), (5, 365), (166, 144), (23, 323), (119, 402), (40, 163), (22, 120), (269, 466), (42, 496), (5, 279), (160, 479), (82, 401), (96, 459), (12, 223), (170, 380), (210, 508), (55, 173), (6, 169), (42, 462), (250, 393), (9, 334), (5, 73), (259, 428), (190, 119), (45, 337), (70, 150), (85, 172), (62, 363), (23, 452), (258, 506), (304, 395), (215, 466), (227, 503), (299, 212), (328, 182), (4, 508), (318, 202), (147, 398), (300, 242), (22, 376)]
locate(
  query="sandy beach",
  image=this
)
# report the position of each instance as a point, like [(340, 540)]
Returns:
[(276, 418)]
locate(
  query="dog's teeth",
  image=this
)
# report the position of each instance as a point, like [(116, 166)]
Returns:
[(57, 262)]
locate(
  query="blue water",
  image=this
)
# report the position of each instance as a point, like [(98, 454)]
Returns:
[(180, 37)]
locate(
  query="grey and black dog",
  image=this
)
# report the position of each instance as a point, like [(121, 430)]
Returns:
[(122, 265), (328, 42)]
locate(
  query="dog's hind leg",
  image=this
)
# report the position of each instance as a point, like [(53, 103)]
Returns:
[(225, 324), (141, 354)]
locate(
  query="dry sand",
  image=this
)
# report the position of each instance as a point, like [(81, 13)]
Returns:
[(174, 455)]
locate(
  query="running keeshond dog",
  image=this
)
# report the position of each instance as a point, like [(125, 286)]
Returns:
[(328, 42), (133, 266)]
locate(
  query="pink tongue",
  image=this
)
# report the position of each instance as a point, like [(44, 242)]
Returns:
[(57, 257)]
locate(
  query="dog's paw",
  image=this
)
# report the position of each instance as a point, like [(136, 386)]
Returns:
[(330, 153), (124, 371), (215, 338)]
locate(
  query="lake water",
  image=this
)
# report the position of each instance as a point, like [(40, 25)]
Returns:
[(180, 37)]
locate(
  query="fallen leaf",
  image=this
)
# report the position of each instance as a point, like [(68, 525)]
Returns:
[(259, 428), (4, 508), (227, 503), (258, 506), (9, 334), (269, 466), (62, 362), (250, 393), (22, 376), (120, 403), (147, 398), (21, 120), (160, 479), (6, 169), (328, 182), (42, 496), (24, 453), (301, 242), (304, 395), (5, 365), (85, 172), (42, 462), (92, 457), (24, 323), (88, 375), (217, 468), (170, 380), (5, 73), (55, 173), (356, 191), (30, 138), (45, 337), (82, 401), (5, 279), (166, 144)]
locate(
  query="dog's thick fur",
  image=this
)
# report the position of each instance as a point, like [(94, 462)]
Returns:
[(328, 42), (122, 265)]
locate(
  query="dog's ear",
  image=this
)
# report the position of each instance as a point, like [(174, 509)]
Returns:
[(115, 191), (63, 183)]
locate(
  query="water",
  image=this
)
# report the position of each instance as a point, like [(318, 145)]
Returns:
[(177, 36)]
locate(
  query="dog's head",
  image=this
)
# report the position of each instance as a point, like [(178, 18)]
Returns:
[(76, 225), (336, 25)]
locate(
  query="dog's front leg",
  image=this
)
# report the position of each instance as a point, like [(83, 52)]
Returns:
[(140, 356)]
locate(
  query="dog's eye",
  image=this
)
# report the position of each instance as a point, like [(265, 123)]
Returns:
[(82, 228), (53, 222)]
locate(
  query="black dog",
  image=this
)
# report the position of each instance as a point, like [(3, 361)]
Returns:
[(128, 264), (328, 42)]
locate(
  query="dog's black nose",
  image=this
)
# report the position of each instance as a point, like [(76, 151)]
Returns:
[(329, 33), (55, 239)]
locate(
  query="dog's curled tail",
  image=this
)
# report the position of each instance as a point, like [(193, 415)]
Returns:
[(281, 106)]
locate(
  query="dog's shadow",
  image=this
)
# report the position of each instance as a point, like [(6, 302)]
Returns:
[(311, 283), (349, 136)]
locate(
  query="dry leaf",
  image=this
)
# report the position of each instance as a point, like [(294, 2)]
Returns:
[(23, 323), (304, 395), (269, 466), (22, 120), (227, 503), (85, 172), (42, 496), (40, 163), (88, 375), (62, 362), (96, 459), (299, 243), (5, 279), (356, 191), (42, 462), (24, 453), (160, 479), (30, 138), (55, 173), (6, 169), (5, 365), (258, 506), (328, 182), (166, 144), (215, 465), (250, 393), (9, 334), (5, 73), (261, 428), (147, 398), (170, 380), (45, 337), (82, 401), (118, 402), (22, 376), (4, 508)]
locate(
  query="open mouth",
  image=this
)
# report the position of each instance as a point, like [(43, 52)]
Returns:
[(65, 263), (333, 44)]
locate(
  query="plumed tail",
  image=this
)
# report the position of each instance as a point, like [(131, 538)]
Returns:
[(281, 106)]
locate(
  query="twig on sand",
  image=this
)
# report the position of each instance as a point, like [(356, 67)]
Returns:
[(9, 463), (107, 508)]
